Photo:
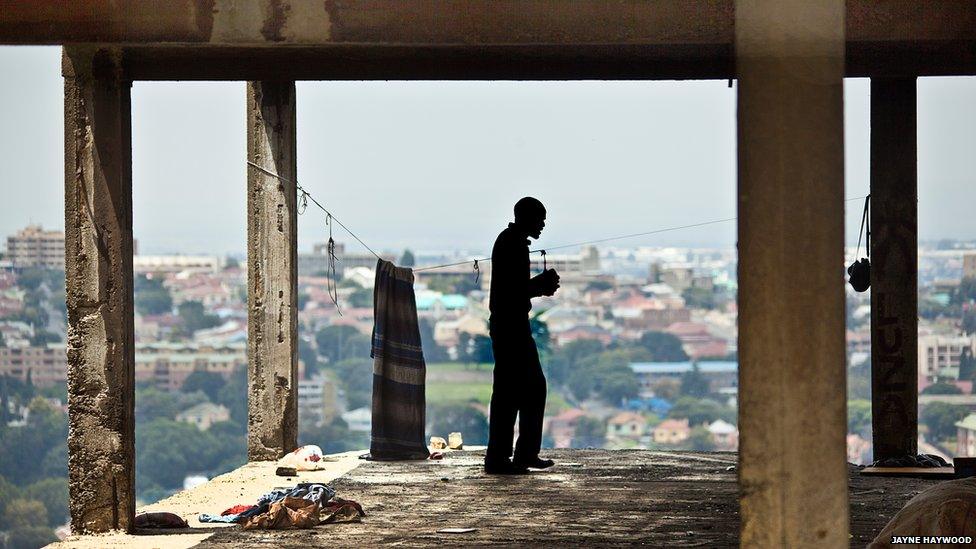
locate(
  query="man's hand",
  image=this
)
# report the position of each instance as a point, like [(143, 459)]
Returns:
[(550, 282)]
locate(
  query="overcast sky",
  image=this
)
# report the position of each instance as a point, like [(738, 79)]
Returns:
[(437, 165)]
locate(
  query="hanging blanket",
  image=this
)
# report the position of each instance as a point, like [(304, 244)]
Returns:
[(398, 368)]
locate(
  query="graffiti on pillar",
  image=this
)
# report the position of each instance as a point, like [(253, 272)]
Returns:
[(890, 367), (893, 329)]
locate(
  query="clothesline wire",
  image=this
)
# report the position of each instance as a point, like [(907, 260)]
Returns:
[(607, 239), (305, 193), (308, 195)]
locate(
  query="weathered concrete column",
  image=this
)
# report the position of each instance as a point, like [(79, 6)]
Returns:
[(894, 268), (792, 454), (98, 272), (272, 271)]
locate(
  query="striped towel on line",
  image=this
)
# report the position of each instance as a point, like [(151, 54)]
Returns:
[(399, 370)]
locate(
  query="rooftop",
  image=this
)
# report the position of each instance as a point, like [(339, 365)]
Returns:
[(705, 366), (968, 422), (591, 497)]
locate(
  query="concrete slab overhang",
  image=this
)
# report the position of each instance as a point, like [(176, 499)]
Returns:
[(471, 39)]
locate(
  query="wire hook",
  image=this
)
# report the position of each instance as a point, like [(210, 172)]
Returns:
[(477, 272)]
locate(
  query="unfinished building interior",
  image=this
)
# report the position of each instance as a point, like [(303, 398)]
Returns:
[(789, 58)]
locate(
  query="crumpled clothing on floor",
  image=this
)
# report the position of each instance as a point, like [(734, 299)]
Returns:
[(921, 460), (342, 510), (316, 493), (229, 515), (236, 510), (286, 514), (228, 519), (159, 520), (305, 490)]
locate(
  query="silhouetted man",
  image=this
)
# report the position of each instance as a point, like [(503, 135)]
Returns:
[(519, 384)]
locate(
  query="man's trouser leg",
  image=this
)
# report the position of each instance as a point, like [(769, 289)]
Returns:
[(504, 399), (532, 407)]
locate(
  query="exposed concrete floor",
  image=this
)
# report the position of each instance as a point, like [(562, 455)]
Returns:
[(242, 485), (592, 497)]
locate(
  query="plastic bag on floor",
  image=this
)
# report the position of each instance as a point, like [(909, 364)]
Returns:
[(303, 458)]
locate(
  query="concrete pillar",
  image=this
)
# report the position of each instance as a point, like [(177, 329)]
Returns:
[(894, 268), (792, 385), (98, 272), (272, 275)]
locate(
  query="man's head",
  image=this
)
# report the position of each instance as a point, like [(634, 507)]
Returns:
[(530, 216)]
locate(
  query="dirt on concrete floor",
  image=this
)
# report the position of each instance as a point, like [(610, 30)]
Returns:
[(592, 497)]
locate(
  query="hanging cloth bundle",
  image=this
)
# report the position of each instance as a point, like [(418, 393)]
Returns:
[(860, 270)]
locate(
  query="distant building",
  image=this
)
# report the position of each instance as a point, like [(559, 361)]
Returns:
[(859, 341), (650, 319), (16, 333), (680, 278), (317, 402), (938, 355), (572, 265), (8, 280), (437, 304), (969, 266), (626, 425), (966, 436), (47, 366), (359, 420), (447, 333), (672, 431), (577, 333), (175, 263), (364, 277), (562, 428), (167, 365), (231, 331), (639, 312), (317, 262), (720, 374), (858, 450), (565, 316), (11, 303), (210, 290), (155, 327), (32, 246), (697, 341), (724, 435), (204, 415)]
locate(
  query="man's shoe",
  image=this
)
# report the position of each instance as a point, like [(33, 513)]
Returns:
[(536, 463), (505, 468)]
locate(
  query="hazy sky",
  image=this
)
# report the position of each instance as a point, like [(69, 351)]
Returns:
[(437, 166)]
